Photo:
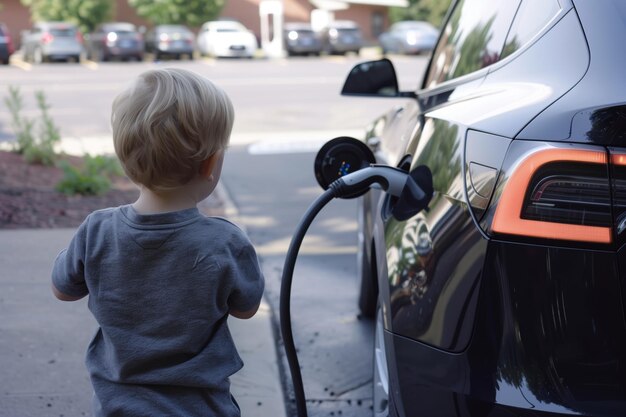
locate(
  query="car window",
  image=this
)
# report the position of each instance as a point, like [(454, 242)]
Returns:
[(60, 32), (473, 38), (174, 29), (531, 18), (348, 30)]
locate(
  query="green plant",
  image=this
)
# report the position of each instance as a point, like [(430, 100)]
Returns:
[(22, 126), (41, 150), (36, 149), (92, 178), (432, 11), (85, 13)]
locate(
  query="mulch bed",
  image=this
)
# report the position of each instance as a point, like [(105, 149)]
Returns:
[(28, 198)]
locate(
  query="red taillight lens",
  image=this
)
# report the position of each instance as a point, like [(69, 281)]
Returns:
[(10, 43), (569, 194), (79, 37), (557, 193), (618, 173), (47, 38)]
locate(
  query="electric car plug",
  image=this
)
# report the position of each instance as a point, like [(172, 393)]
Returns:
[(392, 180)]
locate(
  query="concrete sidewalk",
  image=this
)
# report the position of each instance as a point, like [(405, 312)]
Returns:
[(43, 341)]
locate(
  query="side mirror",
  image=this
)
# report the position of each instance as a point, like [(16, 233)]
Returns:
[(341, 156), (374, 79)]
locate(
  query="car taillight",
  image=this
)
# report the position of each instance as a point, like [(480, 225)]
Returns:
[(557, 193), (618, 175), (46, 38), (9, 43), (580, 197), (79, 37)]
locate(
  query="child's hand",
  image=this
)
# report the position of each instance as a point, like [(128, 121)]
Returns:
[(244, 315), (64, 297)]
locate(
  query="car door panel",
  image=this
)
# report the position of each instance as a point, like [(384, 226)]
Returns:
[(425, 277)]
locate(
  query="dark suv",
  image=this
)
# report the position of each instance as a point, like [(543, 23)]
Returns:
[(341, 37), (173, 41), (6, 44), (115, 40), (506, 295)]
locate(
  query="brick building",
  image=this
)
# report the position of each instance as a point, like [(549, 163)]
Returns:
[(371, 15)]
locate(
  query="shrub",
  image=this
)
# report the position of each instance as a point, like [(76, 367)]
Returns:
[(36, 149), (22, 126), (92, 178)]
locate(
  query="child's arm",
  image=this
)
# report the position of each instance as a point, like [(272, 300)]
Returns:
[(68, 278), (244, 315), (64, 297), (245, 296)]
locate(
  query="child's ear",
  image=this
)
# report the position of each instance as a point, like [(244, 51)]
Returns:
[(206, 169)]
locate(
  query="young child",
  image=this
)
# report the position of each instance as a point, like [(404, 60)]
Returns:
[(161, 277)]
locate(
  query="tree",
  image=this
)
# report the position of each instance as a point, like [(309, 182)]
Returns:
[(432, 11), (86, 14), (191, 13)]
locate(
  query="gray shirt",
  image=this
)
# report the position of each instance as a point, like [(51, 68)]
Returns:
[(160, 286)]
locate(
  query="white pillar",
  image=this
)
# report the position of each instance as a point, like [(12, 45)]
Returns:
[(271, 13), (321, 18)]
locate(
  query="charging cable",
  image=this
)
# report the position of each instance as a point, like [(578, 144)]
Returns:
[(394, 181)]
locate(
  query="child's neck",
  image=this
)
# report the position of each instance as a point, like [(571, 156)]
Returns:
[(150, 202)]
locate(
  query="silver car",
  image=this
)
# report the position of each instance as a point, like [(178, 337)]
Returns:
[(409, 37), (52, 41)]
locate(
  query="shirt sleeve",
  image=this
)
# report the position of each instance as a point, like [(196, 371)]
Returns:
[(248, 282), (68, 270)]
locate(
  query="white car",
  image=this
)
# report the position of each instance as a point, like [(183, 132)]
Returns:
[(224, 38)]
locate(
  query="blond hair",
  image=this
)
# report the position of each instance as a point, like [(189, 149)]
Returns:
[(166, 124)]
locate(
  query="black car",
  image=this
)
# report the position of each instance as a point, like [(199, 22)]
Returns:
[(341, 37), (6, 44), (115, 40), (301, 39), (506, 295), (173, 41)]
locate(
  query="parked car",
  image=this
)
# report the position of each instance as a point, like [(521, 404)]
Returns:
[(342, 36), (409, 37), (300, 39), (505, 296), (115, 40), (6, 44), (170, 40), (52, 41), (226, 38)]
